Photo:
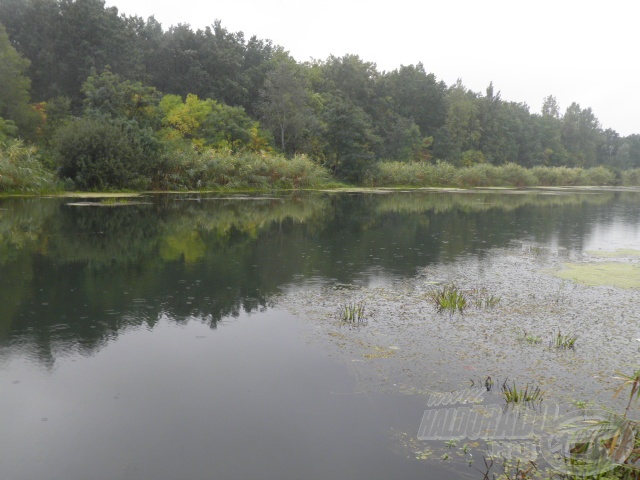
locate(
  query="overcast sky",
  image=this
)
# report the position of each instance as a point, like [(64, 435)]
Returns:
[(583, 51)]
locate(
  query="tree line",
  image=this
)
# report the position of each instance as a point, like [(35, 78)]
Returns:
[(77, 76)]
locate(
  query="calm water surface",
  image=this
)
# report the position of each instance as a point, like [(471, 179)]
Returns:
[(146, 341)]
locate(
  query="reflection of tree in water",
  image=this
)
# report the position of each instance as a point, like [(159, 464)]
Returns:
[(73, 278)]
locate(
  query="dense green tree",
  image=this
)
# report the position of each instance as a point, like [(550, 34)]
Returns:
[(493, 140), (341, 111), (463, 122), (417, 95), (550, 107), (354, 78), (16, 113), (98, 153), (208, 63), (285, 105), (209, 124), (55, 113), (107, 95), (581, 136), (549, 129), (403, 141), (64, 39), (350, 139), (628, 153), (259, 59)]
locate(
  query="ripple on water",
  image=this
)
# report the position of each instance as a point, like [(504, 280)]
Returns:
[(407, 347)]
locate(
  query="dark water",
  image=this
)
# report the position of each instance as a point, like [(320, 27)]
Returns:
[(145, 341)]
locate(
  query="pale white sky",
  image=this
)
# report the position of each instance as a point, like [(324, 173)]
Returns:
[(583, 51)]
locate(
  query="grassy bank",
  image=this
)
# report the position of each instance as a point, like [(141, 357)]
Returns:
[(485, 175), (23, 172), (222, 170)]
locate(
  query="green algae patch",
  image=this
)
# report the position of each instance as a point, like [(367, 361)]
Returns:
[(619, 275), (106, 204), (619, 253), (100, 195)]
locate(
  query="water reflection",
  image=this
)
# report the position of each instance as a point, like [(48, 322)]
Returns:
[(73, 278)]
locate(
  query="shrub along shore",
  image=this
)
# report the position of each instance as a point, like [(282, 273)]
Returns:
[(23, 172)]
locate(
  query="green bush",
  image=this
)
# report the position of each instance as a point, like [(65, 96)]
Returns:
[(631, 177), (22, 172), (514, 175), (486, 175), (481, 175), (598, 176), (106, 154), (187, 169), (556, 176)]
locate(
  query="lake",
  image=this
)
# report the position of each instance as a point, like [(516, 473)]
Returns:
[(200, 336)]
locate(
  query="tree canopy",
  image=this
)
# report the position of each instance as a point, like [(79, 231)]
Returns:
[(214, 89)]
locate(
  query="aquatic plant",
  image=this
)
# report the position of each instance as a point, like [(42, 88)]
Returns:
[(483, 299), (607, 447), (520, 470), (353, 312), (528, 394), (535, 250), (560, 340), (449, 297), (532, 339), (633, 381), (581, 404)]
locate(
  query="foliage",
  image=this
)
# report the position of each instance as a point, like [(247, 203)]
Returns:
[(22, 172), (353, 312), (631, 177), (483, 299), (104, 154), (485, 175), (285, 105), (188, 169), (448, 297), (418, 95), (15, 110), (350, 139), (560, 340), (527, 395), (343, 112), (108, 96), (202, 124)]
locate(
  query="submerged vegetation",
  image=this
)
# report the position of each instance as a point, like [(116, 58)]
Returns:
[(527, 395), (353, 312), (621, 275), (407, 348), (560, 340), (449, 298)]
